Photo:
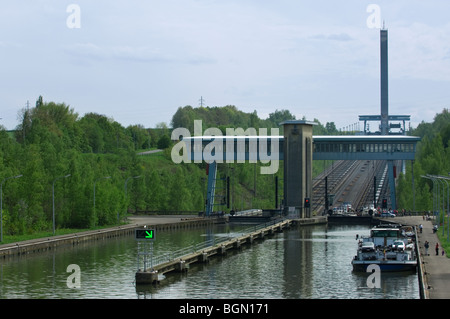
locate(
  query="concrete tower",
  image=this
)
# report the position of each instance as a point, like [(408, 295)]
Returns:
[(384, 82), (298, 141)]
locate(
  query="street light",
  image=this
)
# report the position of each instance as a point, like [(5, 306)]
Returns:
[(435, 198), (444, 179), (127, 182), (434, 191), (1, 204), (53, 199), (125, 190), (439, 179), (443, 203), (436, 181), (448, 211), (106, 177)]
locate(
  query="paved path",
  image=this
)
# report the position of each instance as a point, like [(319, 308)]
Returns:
[(436, 268), (149, 152), (159, 219)]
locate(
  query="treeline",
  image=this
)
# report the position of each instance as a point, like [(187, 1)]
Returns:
[(52, 142), (432, 157), (230, 116), (65, 159), (249, 188)]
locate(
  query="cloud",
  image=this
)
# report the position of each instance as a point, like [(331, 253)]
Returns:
[(316, 56), (333, 37), (90, 52), (420, 51)]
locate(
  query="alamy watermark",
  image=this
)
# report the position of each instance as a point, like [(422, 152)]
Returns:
[(374, 279), (73, 21), (256, 147), (74, 279), (374, 19)]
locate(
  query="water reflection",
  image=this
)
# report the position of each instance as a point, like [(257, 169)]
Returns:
[(302, 262)]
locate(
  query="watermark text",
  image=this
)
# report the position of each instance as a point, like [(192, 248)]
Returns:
[(73, 21), (374, 19), (74, 280), (238, 145)]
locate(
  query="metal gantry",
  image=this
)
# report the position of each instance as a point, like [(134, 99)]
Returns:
[(246, 148)]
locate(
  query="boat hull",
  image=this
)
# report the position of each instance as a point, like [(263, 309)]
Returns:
[(385, 266)]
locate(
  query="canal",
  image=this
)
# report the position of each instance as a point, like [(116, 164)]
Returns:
[(308, 262)]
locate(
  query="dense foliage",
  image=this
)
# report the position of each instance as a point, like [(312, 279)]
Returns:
[(230, 116), (52, 141), (432, 157), (100, 155)]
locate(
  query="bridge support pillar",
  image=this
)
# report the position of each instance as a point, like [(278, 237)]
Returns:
[(146, 277), (391, 177), (298, 155), (212, 172)]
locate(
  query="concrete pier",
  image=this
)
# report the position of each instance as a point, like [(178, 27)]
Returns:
[(182, 263)]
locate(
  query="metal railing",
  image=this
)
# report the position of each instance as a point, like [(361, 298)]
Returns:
[(170, 256)]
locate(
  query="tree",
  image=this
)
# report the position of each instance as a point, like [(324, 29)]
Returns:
[(164, 142), (432, 155)]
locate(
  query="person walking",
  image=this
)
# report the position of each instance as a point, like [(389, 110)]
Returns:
[(437, 249), (427, 245)]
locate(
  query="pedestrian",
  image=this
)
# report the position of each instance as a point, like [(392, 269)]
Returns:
[(443, 252), (427, 245), (420, 227), (437, 249)]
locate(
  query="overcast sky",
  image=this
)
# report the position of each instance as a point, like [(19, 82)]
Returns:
[(137, 61)]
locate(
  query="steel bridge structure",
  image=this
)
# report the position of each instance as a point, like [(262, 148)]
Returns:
[(215, 150)]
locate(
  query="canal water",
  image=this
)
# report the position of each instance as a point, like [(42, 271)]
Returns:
[(308, 262)]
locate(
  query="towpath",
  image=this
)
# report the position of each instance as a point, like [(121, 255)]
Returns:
[(436, 267)]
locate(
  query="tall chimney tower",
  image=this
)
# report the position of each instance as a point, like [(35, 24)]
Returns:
[(384, 82)]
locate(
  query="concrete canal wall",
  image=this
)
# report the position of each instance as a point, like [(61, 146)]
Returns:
[(48, 243)]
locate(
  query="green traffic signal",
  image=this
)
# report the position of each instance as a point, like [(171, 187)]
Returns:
[(145, 234)]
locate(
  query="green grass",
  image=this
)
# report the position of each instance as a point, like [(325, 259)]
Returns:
[(445, 244)]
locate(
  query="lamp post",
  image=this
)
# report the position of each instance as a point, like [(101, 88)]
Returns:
[(436, 181), (434, 191), (448, 211), (443, 204), (106, 177), (1, 204), (53, 199), (435, 198), (125, 190), (127, 182), (444, 179)]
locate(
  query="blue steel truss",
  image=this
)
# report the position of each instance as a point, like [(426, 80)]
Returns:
[(232, 149), (333, 147)]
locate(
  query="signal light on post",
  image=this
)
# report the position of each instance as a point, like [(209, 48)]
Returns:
[(307, 202), (384, 205)]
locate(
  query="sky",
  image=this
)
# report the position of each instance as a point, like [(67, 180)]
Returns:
[(137, 61)]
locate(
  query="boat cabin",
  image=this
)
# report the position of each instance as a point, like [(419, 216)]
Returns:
[(385, 236)]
